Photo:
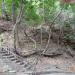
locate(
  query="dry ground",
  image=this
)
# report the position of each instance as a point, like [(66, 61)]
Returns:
[(41, 63)]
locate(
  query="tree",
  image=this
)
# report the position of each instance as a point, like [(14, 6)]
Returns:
[(3, 9), (13, 11)]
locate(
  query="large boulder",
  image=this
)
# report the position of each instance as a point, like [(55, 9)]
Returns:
[(40, 34), (28, 40)]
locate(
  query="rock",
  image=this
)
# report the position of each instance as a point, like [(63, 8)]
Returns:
[(6, 25), (54, 50), (36, 34), (2, 30)]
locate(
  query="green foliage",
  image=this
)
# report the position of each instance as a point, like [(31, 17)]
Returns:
[(49, 7), (31, 7), (38, 10), (69, 37), (30, 12), (68, 32)]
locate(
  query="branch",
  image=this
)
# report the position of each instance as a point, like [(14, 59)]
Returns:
[(17, 22), (50, 31), (30, 38)]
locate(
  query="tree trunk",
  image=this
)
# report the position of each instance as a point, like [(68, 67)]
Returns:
[(13, 12), (3, 9)]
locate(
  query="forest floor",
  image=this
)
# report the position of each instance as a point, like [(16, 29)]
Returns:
[(64, 62)]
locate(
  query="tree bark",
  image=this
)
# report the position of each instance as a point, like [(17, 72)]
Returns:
[(13, 12), (3, 9)]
